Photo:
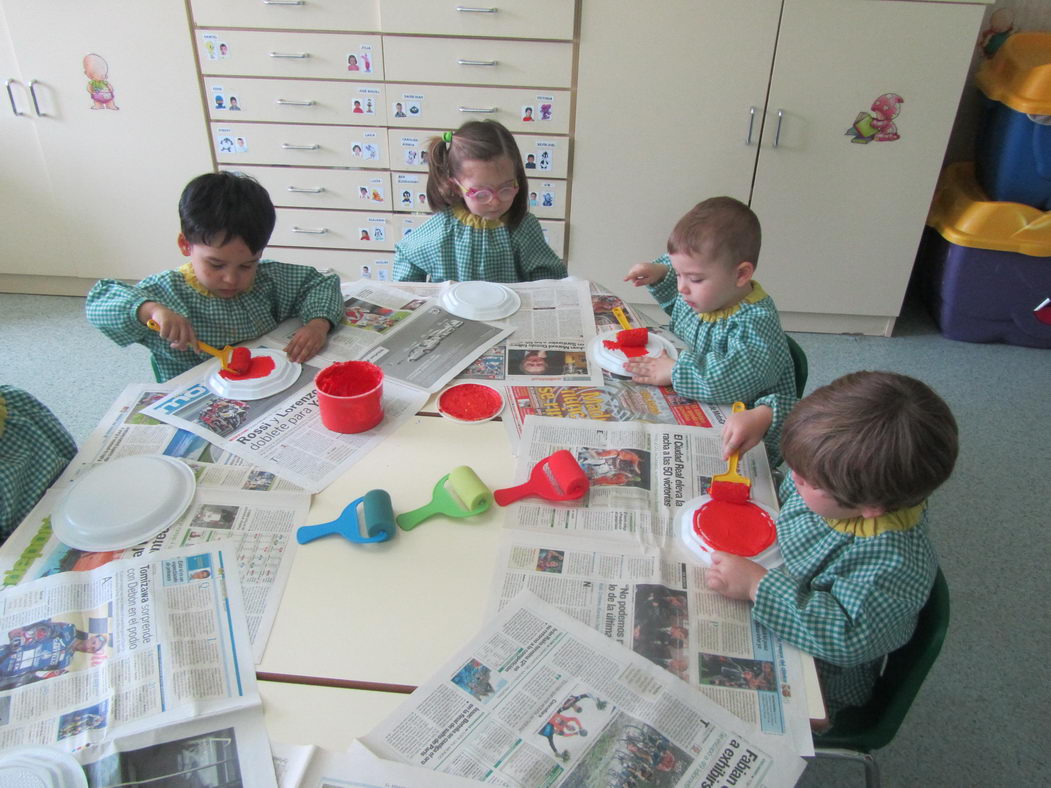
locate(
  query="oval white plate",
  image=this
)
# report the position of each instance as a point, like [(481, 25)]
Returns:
[(284, 375), (480, 300), (613, 360), (124, 502), (770, 558)]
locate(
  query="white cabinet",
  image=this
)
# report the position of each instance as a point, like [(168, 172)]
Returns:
[(90, 191), (841, 221)]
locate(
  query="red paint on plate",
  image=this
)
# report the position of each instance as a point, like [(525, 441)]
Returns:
[(261, 367), (631, 351), (470, 402), (738, 528)]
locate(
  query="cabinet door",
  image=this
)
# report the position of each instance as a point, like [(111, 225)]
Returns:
[(117, 164), (664, 92), (842, 218)]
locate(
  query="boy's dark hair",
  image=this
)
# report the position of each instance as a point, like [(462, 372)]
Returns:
[(476, 140), (217, 207), (722, 227), (872, 439)]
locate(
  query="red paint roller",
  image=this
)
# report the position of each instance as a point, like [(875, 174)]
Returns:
[(557, 477), (633, 337)]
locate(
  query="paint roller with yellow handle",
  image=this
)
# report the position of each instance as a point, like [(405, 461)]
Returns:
[(235, 359)]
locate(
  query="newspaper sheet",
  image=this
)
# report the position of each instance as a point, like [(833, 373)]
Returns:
[(539, 699), (131, 646), (258, 530), (412, 338), (283, 433), (307, 766)]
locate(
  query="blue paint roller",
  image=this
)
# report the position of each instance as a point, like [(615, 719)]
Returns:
[(378, 516)]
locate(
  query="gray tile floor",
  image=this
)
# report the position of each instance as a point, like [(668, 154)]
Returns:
[(981, 718)]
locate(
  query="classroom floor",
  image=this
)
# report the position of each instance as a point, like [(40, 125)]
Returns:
[(980, 720)]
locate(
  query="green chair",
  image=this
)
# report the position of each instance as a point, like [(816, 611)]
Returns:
[(799, 364), (863, 729)]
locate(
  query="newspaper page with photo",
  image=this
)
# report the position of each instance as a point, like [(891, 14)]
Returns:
[(257, 529), (657, 603), (283, 433), (538, 698), (307, 766), (130, 646)]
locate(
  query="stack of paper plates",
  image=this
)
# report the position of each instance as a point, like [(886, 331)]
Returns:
[(284, 375), (123, 502), (613, 360), (36, 766), (480, 300)]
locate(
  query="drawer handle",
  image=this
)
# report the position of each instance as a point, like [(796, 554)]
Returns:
[(309, 231), (751, 123), (11, 97), (488, 111), (466, 9), (461, 61), (32, 94), (290, 146), (293, 103), (306, 189), (777, 132), (284, 2), (293, 55)]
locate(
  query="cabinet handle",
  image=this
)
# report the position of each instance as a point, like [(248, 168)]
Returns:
[(293, 103), (486, 111), (306, 189), (36, 104), (290, 146), (11, 96), (284, 2), (310, 231), (463, 62), (294, 55), (466, 9), (777, 131), (751, 122)]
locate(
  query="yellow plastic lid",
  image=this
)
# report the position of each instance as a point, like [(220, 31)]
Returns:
[(964, 215), (1019, 74)]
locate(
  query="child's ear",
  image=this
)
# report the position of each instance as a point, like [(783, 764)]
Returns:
[(184, 245), (745, 270)]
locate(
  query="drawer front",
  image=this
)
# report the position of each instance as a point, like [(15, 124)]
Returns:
[(304, 146), (509, 19), (349, 264), (257, 53), (555, 235), (448, 107), (409, 192), (474, 61), (307, 187), (334, 229), (546, 157), (295, 101), (547, 198), (361, 15)]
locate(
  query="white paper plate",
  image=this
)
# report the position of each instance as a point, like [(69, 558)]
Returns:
[(36, 766), (124, 502), (770, 558), (284, 375), (480, 300), (613, 360)]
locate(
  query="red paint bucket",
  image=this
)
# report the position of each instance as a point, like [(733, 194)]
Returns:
[(350, 396)]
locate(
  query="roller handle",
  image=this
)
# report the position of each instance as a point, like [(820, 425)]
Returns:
[(222, 355), (512, 494), (731, 462)]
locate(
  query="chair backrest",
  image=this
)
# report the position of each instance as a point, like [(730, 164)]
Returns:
[(869, 727), (799, 365)]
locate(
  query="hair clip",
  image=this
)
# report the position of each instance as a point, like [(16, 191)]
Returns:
[(448, 137)]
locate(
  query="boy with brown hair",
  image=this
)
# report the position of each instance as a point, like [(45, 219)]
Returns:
[(865, 453), (737, 349)]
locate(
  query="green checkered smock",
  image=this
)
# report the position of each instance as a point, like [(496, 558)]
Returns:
[(456, 245), (34, 449), (849, 591), (734, 354), (280, 291)]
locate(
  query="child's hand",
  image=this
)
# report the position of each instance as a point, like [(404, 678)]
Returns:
[(734, 576), (173, 327), (646, 274), (744, 430), (308, 340), (654, 371)]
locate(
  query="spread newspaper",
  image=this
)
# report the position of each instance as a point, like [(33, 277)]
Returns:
[(539, 699), (140, 668)]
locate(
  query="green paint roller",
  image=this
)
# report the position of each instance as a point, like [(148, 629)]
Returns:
[(459, 493)]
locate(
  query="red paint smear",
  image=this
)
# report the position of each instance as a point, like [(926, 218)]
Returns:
[(738, 528), (470, 402), (349, 378), (631, 351), (633, 337), (260, 368)]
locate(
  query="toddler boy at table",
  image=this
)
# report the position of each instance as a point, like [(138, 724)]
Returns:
[(737, 349), (482, 228), (865, 453), (225, 294)]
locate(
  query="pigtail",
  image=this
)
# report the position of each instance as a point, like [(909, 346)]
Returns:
[(442, 193)]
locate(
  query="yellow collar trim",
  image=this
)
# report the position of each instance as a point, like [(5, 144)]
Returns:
[(901, 520), (186, 269), (464, 216), (757, 294)]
